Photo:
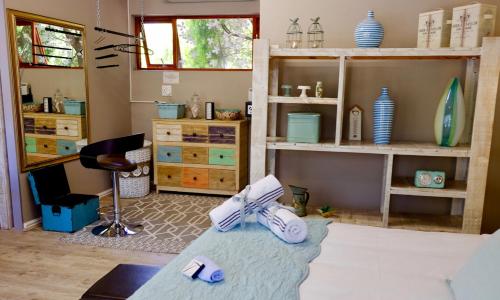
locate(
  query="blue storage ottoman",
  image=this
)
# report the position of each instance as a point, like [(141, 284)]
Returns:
[(61, 210)]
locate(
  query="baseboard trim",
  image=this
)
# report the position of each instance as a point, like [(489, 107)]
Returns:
[(105, 193), (32, 224)]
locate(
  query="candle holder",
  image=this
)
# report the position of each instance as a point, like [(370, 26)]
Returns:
[(294, 34)]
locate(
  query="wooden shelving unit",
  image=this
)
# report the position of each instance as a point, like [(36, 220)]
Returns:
[(467, 188)]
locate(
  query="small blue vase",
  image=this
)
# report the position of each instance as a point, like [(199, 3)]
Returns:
[(369, 33), (383, 117)]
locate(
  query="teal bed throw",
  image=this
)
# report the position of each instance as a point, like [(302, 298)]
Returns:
[(256, 264)]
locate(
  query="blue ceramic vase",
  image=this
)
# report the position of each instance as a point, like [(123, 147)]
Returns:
[(383, 117), (369, 33)]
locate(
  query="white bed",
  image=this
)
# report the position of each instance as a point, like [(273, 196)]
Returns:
[(361, 262)]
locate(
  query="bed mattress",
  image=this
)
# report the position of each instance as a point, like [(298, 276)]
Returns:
[(361, 262)]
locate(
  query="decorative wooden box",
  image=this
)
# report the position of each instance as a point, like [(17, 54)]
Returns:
[(471, 23), (303, 127), (434, 29), (51, 135), (200, 156)]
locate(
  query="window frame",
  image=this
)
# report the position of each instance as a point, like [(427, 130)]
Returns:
[(176, 51)]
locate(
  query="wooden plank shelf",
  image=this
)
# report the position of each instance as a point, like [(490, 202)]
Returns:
[(302, 100), (376, 53), (397, 148), (426, 222), (405, 186)]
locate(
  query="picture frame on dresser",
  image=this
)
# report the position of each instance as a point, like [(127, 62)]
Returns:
[(49, 60), (200, 156)]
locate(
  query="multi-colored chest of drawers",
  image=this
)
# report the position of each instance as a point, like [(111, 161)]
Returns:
[(50, 135), (200, 156)]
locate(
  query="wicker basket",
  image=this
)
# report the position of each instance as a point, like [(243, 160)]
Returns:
[(137, 183)]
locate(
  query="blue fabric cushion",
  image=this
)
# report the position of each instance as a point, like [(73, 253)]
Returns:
[(479, 278)]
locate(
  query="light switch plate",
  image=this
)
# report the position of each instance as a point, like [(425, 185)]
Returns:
[(166, 90)]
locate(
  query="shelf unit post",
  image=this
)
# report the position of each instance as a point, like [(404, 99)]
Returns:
[(482, 133), (470, 88), (386, 188), (340, 97), (273, 114), (461, 167), (260, 86)]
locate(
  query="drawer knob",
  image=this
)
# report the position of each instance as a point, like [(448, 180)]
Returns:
[(195, 155), (221, 135), (44, 126), (67, 148), (45, 146), (194, 133), (168, 132), (168, 153), (66, 128), (194, 178), (221, 180), (168, 176), (221, 156)]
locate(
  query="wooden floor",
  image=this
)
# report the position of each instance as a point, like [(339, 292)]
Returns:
[(36, 265)]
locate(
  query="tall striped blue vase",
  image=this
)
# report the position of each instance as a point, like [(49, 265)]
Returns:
[(383, 117), (449, 122), (369, 33)]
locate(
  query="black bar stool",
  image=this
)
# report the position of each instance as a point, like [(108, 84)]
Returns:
[(110, 155)]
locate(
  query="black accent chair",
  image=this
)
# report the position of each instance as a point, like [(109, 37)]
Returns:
[(110, 155)]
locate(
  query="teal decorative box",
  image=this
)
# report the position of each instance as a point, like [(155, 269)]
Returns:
[(430, 179), (170, 110), (74, 107), (61, 210), (303, 127)]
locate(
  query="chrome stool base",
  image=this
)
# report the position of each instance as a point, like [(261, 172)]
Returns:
[(117, 229)]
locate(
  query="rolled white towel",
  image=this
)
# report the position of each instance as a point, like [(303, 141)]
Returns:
[(260, 194), (283, 223)]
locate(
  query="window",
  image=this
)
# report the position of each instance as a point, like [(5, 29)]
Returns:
[(43, 45), (221, 42)]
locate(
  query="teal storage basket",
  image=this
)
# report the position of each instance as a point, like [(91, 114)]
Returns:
[(61, 210), (74, 107), (303, 127), (170, 110)]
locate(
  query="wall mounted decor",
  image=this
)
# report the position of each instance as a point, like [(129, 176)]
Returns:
[(355, 121), (369, 33), (430, 179), (319, 89), (294, 34), (383, 117), (287, 90), (304, 89), (471, 23), (434, 29), (49, 55), (315, 34), (449, 122)]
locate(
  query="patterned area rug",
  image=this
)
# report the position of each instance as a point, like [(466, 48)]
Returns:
[(171, 222)]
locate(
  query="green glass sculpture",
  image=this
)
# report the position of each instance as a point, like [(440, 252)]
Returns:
[(449, 122)]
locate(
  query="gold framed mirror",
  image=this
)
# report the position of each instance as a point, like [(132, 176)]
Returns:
[(49, 67)]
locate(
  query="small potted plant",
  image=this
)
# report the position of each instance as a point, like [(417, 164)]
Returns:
[(327, 211)]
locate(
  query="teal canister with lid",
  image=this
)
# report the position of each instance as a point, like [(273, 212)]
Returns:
[(303, 127)]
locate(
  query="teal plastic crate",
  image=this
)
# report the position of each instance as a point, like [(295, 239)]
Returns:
[(74, 107), (303, 127), (170, 110)]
